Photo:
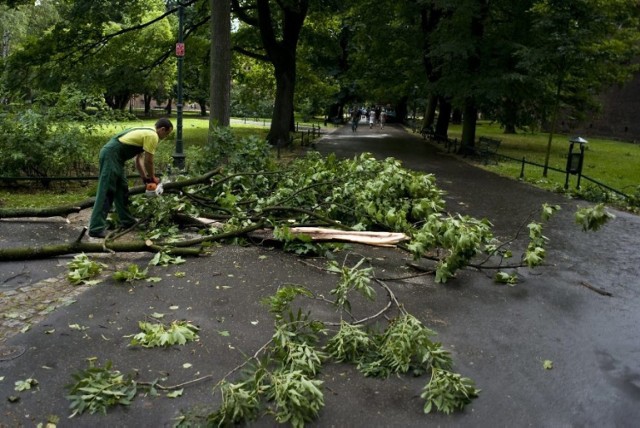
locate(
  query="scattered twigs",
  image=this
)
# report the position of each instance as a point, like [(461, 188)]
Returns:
[(310, 213), (596, 289), (174, 387), (82, 233), (392, 296), (218, 237), (240, 366)]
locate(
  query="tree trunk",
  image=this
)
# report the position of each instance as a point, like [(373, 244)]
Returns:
[(402, 109), (147, 105), (430, 112), (510, 116), (169, 108), (456, 116), (177, 248), (444, 116), (283, 108), (469, 120), (220, 87), (281, 51), (203, 107), (38, 253)]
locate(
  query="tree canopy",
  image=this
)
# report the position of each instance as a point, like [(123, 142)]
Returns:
[(518, 62)]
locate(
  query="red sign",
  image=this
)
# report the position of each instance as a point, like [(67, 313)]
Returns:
[(179, 49)]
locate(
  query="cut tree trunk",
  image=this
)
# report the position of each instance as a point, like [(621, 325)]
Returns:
[(187, 247), (37, 253), (379, 239)]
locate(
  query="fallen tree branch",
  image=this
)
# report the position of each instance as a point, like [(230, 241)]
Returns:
[(88, 203), (37, 253), (596, 289)]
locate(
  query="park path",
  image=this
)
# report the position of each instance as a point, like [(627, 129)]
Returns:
[(499, 336), (593, 340)]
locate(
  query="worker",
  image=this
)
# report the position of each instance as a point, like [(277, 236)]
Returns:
[(138, 143)]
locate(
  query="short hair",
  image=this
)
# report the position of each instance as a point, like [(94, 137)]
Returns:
[(164, 123)]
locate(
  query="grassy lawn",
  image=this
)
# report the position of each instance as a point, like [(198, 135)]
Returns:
[(613, 163)]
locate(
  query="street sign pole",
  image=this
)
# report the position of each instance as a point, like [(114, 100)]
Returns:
[(178, 156)]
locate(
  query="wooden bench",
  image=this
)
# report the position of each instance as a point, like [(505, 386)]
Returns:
[(428, 133), (487, 149)]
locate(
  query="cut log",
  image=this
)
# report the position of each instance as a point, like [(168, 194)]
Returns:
[(379, 239), (187, 247), (37, 253)]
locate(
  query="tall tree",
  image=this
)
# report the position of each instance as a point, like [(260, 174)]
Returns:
[(579, 47), (112, 47), (220, 86), (279, 24)]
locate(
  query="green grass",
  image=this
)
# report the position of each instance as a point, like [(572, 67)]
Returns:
[(613, 163)]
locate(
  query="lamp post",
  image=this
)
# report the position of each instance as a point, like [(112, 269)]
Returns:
[(575, 160), (178, 156)]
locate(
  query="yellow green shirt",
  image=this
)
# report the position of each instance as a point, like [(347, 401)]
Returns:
[(147, 138)]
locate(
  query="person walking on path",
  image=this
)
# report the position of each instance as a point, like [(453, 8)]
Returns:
[(372, 117), (355, 118), (383, 118), (140, 143)]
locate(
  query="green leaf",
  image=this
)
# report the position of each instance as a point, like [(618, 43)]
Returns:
[(23, 385), (593, 218), (175, 394), (98, 388), (82, 268), (154, 335)]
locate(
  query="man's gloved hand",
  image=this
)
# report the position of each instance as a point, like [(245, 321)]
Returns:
[(154, 180)]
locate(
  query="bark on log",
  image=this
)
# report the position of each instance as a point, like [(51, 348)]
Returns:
[(88, 203), (37, 253), (189, 247)]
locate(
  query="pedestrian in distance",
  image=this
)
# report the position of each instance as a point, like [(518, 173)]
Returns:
[(383, 118), (113, 189), (372, 117), (355, 118)]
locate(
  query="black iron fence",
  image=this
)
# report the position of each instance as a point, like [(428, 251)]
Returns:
[(524, 162)]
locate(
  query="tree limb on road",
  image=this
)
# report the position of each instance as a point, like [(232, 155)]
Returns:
[(88, 203)]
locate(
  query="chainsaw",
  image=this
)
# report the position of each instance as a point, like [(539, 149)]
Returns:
[(154, 189)]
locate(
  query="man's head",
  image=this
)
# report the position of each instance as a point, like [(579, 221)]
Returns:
[(163, 127)]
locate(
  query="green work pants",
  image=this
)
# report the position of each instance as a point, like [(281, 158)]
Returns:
[(112, 185)]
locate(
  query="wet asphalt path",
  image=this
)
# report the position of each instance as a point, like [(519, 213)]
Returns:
[(501, 335), (498, 335)]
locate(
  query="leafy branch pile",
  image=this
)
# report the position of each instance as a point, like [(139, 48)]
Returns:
[(82, 269), (282, 378), (155, 335), (97, 388), (255, 193), (357, 194)]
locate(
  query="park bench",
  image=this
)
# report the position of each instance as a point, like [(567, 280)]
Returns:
[(487, 149), (428, 133)]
